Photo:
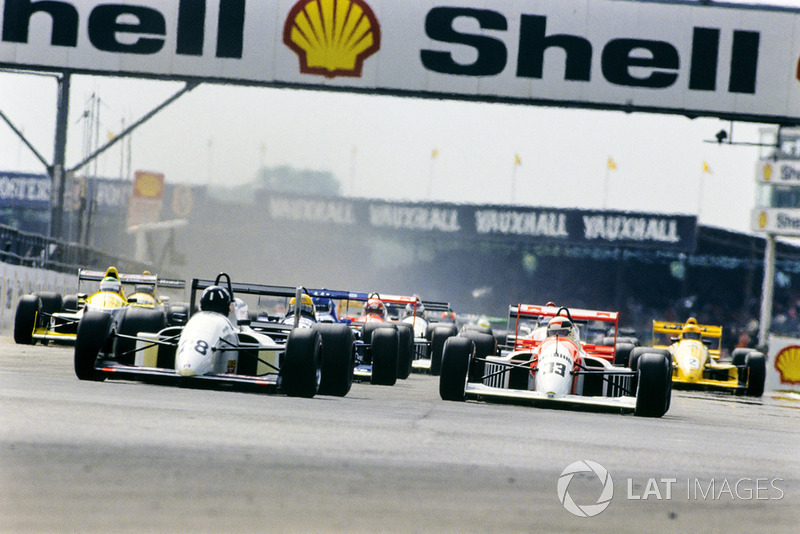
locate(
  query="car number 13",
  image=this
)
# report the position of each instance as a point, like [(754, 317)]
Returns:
[(554, 367)]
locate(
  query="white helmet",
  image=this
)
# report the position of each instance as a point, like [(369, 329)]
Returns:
[(562, 327)]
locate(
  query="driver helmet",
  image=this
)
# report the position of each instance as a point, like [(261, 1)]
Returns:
[(216, 299), (145, 288), (241, 310), (306, 306), (375, 306), (691, 331), (109, 283), (562, 327), (419, 312)]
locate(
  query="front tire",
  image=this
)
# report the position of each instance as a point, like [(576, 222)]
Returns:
[(132, 321), (28, 309), (94, 331), (485, 345), (653, 392), (301, 369), (338, 359), (456, 355), (756, 373), (384, 348)]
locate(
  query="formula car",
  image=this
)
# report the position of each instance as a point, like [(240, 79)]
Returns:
[(47, 316), (554, 367), (384, 348), (219, 345), (694, 351)]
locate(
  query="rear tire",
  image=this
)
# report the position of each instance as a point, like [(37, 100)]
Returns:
[(439, 335), (739, 355), (384, 356), (301, 369), (25, 319), (51, 302), (653, 392), (70, 304), (456, 355), (94, 331), (133, 320), (622, 353), (338, 359)]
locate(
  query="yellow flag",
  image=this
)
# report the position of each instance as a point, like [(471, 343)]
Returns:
[(517, 161), (707, 168), (111, 135), (434, 153), (612, 165)]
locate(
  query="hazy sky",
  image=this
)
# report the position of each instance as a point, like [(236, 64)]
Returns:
[(384, 146)]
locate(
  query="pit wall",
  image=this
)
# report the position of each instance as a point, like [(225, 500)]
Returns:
[(16, 280)]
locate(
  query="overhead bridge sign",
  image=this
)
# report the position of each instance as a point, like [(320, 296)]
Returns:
[(719, 60)]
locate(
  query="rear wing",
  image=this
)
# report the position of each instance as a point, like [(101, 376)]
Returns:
[(338, 295), (542, 313), (199, 284), (710, 333)]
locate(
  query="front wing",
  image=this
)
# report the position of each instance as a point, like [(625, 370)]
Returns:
[(478, 391)]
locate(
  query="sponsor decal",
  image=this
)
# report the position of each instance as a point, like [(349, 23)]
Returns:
[(318, 211), (24, 189), (414, 218), (624, 62), (510, 222), (787, 363), (616, 228), (332, 37)]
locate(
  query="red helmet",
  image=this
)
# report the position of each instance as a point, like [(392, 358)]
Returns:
[(375, 306)]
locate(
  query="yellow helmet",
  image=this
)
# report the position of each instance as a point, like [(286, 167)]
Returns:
[(306, 305), (691, 330)]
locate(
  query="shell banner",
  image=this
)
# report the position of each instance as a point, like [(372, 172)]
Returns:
[(783, 364), (729, 61)]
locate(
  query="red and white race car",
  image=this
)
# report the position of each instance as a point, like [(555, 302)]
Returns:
[(547, 362)]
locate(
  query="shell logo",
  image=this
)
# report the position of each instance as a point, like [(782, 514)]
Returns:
[(767, 171), (762, 220), (332, 37), (787, 363), (148, 184)]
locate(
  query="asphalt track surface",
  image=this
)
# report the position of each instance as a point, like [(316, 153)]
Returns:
[(131, 457)]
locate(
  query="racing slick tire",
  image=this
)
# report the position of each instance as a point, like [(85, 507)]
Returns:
[(338, 358), (51, 301), (739, 354), (622, 353), (653, 391), (384, 348), (177, 314), (70, 303), (133, 320), (439, 335), (485, 345), (370, 327), (755, 364), (476, 328), (456, 355), (405, 353), (301, 369), (94, 335), (25, 318)]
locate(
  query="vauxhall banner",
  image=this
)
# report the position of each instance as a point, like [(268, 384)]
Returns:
[(571, 227), (738, 62)]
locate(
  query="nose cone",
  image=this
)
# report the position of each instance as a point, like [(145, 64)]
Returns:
[(187, 371)]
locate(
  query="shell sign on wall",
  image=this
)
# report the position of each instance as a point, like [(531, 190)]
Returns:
[(688, 58), (783, 364)]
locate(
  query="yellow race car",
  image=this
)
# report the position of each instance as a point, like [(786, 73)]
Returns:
[(695, 351), (46, 316)]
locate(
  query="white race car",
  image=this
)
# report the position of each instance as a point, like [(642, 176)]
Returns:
[(214, 348), (556, 368)]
